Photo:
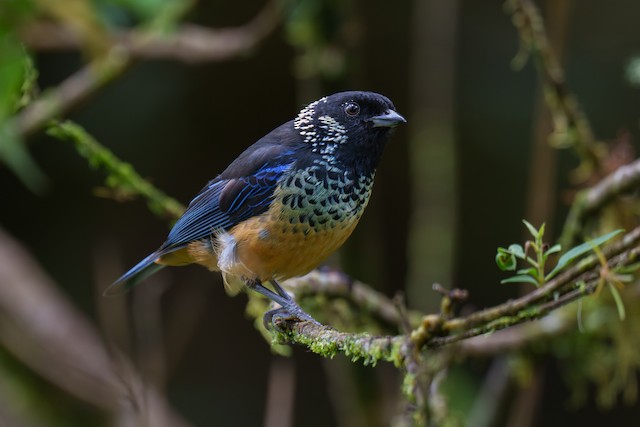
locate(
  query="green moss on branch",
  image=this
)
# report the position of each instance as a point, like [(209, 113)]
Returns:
[(122, 178), (327, 342)]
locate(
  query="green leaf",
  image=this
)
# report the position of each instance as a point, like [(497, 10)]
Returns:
[(505, 260), (516, 250), (553, 249), (580, 250), (533, 272), (531, 228), (541, 232), (521, 279)]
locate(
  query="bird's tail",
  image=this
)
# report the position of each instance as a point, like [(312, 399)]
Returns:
[(141, 271)]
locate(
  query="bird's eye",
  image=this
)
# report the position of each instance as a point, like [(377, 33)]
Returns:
[(352, 109)]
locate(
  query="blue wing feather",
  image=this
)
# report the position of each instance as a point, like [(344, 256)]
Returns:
[(256, 193), (225, 203)]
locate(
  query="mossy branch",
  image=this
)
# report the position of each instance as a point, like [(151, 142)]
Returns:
[(412, 352), (122, 179), (336, 285), (437, 331), (328, 342)]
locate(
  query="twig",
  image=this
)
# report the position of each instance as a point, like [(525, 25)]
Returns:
[(518, 336)]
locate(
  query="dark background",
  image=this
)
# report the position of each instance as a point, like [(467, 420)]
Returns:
[(181, 124)]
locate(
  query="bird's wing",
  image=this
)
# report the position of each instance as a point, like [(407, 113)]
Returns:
[(243, 190), (232, 197), (225, 203)]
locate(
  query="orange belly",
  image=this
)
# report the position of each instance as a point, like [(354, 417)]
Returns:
[(276, 249)]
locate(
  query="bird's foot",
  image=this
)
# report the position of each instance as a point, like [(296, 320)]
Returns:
[(288, 313), (289, 310)]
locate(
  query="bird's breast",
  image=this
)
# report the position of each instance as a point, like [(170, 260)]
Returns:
[(321, 198), (313, 212)]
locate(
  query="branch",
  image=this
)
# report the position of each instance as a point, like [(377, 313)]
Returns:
[(590, 200), (190, 44), (327, 342), (518, 336), (44, 331), (437, 332), (123, 181), (78, 87), (336, 284), (554, 294)]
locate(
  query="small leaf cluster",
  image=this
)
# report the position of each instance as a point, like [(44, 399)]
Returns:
[(535, 255)]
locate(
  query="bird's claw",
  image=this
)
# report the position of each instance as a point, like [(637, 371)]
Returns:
[(293, 313)]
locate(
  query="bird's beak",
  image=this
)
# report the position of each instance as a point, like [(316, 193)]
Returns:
[(389, 119)]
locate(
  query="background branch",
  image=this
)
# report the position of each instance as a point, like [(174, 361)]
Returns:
[(190, 44), (40, 328), (122, 179), (622, 180)]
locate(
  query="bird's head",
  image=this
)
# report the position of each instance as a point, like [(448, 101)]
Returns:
[(348, 126)]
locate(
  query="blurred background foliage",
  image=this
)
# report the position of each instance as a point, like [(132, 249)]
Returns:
[(178, 88)]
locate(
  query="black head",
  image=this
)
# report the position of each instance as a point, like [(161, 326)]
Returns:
[(348, 127)]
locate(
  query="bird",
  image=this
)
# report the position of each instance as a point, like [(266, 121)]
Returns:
[(286, 203)]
